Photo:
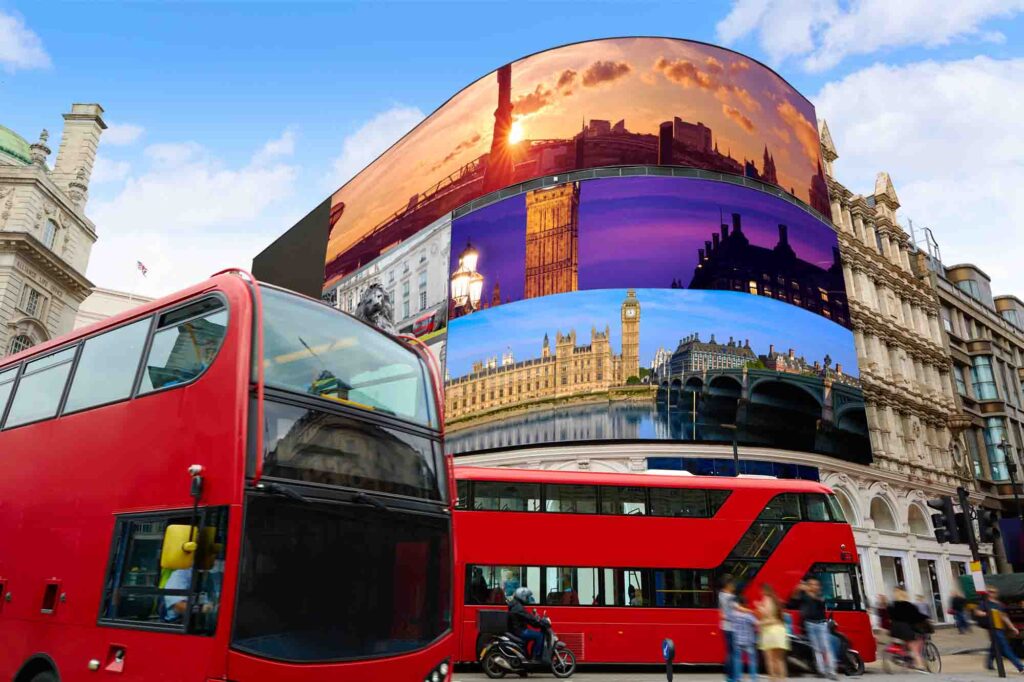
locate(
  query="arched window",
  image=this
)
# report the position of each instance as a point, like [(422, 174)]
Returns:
[(849, 511), (19, 343), (917, 521), (49, 234), (881, 515)]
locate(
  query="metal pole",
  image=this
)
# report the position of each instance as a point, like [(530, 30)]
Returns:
[(972, 540), (735, 453)]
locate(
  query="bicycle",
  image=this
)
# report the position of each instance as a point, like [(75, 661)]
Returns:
[(898, 655)]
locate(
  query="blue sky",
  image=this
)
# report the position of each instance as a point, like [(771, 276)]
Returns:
[(666, 315), (230, 121)]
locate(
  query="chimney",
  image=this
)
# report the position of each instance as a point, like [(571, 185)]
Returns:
[(736, 226), (725, 232), (664, 144), (771, 348), (700, 255), (707, 248), (783, 235), (82, 129), (792, 354), (39, 150), (839, 368), (715, 240)]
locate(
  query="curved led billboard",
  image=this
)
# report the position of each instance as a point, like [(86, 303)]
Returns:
[(623, 101), (650, 309)]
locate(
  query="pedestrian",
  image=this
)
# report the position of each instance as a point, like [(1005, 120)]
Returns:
[(815, 623), (774, 640), (958, 609), (923, 606), (744, 632), (882, 612), (726, 606), (999, 624)]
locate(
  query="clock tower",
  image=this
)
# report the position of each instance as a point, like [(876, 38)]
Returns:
[(630, 336)]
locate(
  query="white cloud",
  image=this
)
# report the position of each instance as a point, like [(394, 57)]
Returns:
[(187, 215), (120, 134), (825, 32), (276, 148), (948, 133), (20, 47), (360, 148), (106, 170)]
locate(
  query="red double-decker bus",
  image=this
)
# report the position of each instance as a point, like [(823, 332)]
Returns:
[(622, 561), (231, 483)]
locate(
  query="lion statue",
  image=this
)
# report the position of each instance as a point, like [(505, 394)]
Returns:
[(375, 307)]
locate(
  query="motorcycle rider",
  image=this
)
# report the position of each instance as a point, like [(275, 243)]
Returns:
[(519, 618)]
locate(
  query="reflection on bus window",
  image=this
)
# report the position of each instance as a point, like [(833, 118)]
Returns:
[(182, 352), (784, 507), (684, 588), (497, 584), (571, 586), (816, 508), (570, 499), (841, 586), (623, 501)]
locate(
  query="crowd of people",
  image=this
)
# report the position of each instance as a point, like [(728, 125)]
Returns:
[(765, 626)]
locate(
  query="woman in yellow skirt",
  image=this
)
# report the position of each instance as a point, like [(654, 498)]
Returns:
[(774, 640)]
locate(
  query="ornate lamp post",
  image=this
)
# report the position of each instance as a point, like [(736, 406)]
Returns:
[(467, 284)]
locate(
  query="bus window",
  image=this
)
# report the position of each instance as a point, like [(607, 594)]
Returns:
[(107, 367), (571, 586), (142, 591), (313, 349), (760, 540), (784, 507), (6, 384), (836, 509), (840, 586), (40, 388), (496, 584), (815, 508), (623, 500), (679, 502), (623, 587), (716, 498), (570, 499), (462, 494), (683, 588), (506, 496), (185, 345)]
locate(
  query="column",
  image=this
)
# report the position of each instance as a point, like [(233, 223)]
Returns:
[(858, 227), (851, 281)]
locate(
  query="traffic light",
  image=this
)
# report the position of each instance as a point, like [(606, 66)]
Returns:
[(988, 525), (944, 521)]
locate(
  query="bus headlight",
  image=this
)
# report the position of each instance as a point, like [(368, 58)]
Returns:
[(439, 673)]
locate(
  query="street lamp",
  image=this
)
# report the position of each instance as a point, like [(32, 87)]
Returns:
[(467, 284), (735, 449), (1011, 469)]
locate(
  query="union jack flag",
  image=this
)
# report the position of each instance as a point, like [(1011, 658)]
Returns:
[(142, 268)]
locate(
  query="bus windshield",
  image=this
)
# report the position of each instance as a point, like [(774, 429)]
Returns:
[(314, 349)]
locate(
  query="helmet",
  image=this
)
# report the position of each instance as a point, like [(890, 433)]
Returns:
[(523, 595)]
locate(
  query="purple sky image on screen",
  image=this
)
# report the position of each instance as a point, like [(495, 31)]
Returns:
[(645, 232), (498, 232)]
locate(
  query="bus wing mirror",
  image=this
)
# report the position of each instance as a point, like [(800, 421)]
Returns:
[(179, 547)]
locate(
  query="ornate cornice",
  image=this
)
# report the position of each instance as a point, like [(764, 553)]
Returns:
[(33, 250)]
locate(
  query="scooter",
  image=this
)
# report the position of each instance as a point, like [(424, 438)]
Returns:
[(801, 654), (507, 654)]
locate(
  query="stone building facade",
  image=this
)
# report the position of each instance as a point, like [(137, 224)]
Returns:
[(45, 236), (567, 370), (985, 336), (552, 240), (913, 418)]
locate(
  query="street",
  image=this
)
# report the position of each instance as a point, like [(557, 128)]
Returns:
[(957, 666)]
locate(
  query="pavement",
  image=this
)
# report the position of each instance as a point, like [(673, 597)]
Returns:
[(963, 660)]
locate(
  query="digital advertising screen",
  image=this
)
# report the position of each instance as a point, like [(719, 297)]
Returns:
[(601, 103)]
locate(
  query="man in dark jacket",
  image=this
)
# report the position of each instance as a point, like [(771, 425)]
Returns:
[(520, 621)]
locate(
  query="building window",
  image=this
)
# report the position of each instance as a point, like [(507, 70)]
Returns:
[(971, 287), (423, 299), (982, 380), (971, 437), (947, 322), (752, 287), (49, 234), (878, 241), (19, 343), (32, 302), (958, 377), (995, 433)]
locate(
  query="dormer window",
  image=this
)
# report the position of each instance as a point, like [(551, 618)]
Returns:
[(49, 234)]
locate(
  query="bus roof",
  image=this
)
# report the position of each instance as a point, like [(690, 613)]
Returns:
[(218, 280), (465, 472)]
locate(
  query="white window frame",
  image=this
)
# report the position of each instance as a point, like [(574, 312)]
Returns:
[(23, 304)]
